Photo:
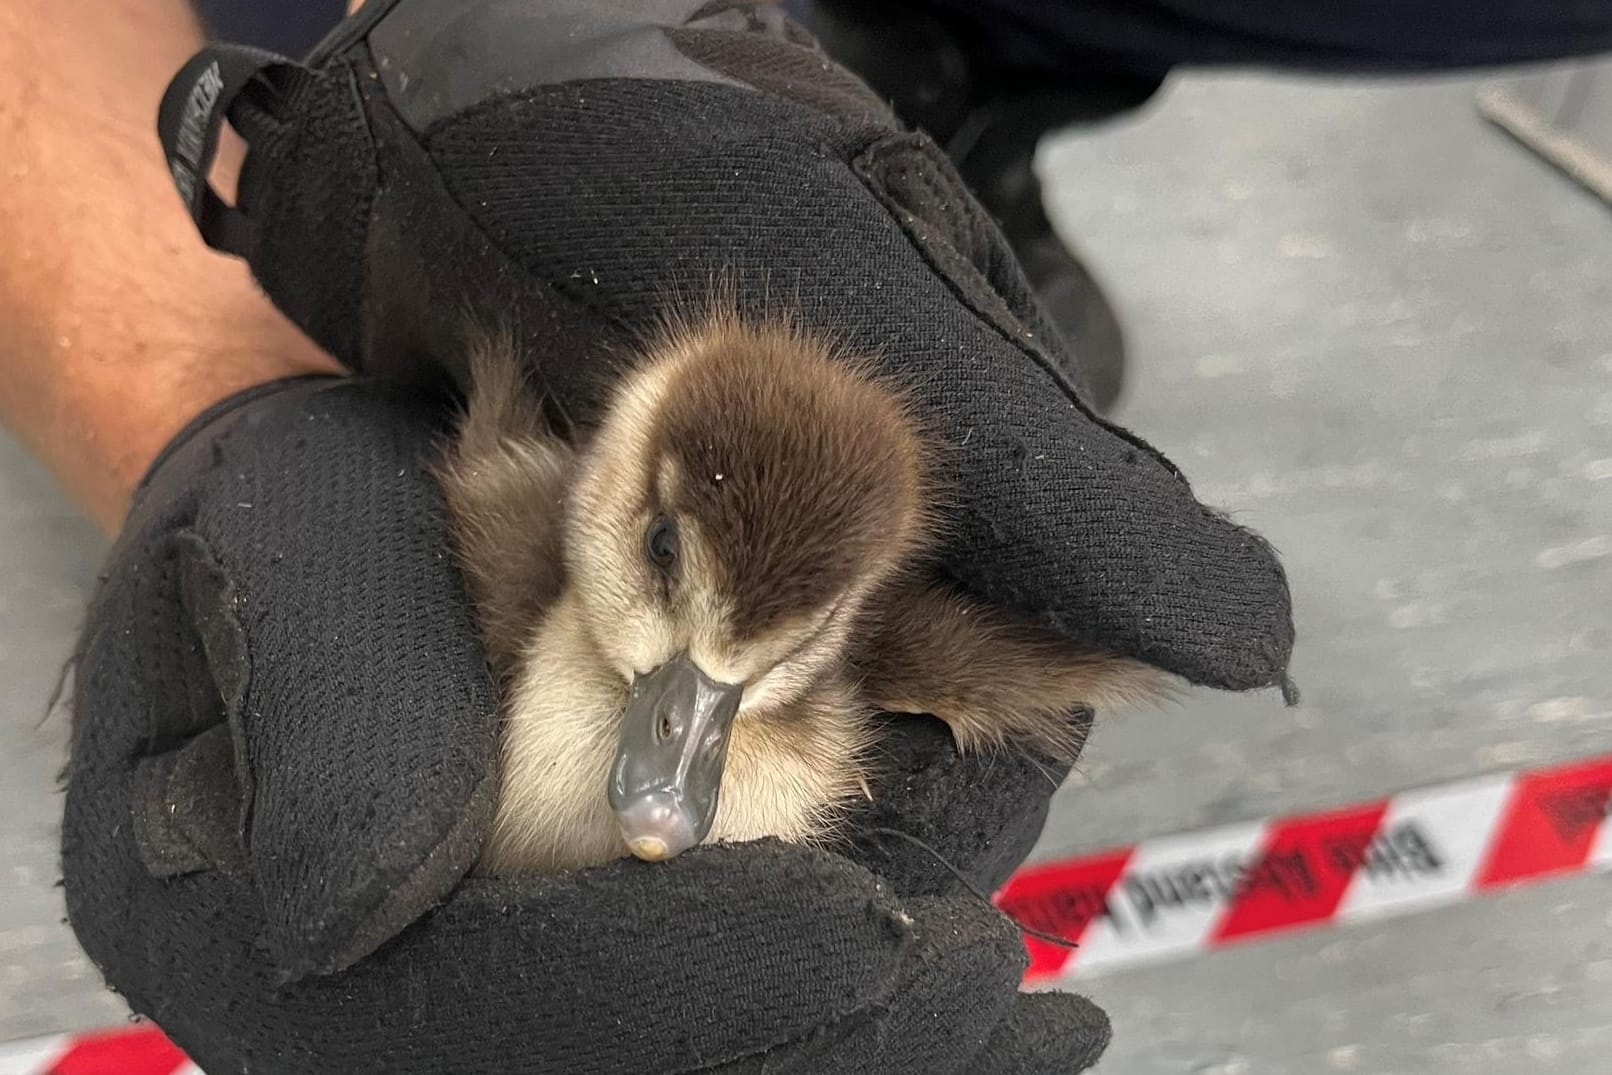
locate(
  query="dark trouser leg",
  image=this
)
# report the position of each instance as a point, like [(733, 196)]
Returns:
[(960, 82), (1062, 39), (989, 77)]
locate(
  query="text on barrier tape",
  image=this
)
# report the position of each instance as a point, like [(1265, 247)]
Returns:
[(1178, 895)]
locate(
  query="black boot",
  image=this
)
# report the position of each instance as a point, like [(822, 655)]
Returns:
[(995, 154), (940, 76)]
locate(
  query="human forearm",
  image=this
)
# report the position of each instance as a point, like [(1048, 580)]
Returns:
[(117, 325)]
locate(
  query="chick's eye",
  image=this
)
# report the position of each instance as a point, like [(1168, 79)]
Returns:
[(660, 542)]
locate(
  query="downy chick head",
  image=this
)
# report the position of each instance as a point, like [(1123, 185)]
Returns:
[(745, 493)]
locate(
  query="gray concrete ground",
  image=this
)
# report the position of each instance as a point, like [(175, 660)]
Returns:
[(1374, 329), (1370, 327), (48, 559)]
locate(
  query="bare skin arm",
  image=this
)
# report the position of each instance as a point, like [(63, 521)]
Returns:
[(117, 325)]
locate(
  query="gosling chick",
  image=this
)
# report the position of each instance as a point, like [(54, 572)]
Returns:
[(694, 608)]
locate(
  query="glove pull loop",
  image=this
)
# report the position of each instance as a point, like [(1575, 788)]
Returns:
[(189, 120)]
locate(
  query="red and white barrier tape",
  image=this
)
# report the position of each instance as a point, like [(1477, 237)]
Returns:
[(1176, 896), (1180, 895), (136, 1050)]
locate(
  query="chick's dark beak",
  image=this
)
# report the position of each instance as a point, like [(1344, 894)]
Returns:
[(668, 770)]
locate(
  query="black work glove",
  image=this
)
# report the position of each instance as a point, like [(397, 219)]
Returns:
[(281, 769)]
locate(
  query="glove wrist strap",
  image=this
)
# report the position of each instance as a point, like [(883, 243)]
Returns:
[(194, 107)]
